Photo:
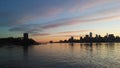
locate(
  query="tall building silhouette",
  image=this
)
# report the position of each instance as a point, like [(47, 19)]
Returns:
[(96, 36), (86, 36), (90, 39), (90, 34), (25, 36), (71, 39)]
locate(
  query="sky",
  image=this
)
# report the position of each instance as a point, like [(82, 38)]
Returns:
[(56, 20)]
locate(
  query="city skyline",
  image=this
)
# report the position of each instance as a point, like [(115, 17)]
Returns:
[(89, 38), (56, 20)]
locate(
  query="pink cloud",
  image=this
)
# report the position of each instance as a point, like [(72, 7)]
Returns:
[(50, 13), (78, 31), (41, 34), (54, 11), (69, 22), (66, 36), (91, 4)]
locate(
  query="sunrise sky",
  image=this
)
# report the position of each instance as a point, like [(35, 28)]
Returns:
[(47, 20)]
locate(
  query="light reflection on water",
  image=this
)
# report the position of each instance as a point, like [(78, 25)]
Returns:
[(64, 55)]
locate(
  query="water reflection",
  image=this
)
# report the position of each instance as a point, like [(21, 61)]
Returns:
[(72, 44), (25, 50), (72, 55)]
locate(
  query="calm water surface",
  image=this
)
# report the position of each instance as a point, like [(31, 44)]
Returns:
[(64, 55)]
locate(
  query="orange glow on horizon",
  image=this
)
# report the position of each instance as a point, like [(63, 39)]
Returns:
[(45, 39)]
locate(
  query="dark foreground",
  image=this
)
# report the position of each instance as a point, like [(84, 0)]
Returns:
[(64, 55)]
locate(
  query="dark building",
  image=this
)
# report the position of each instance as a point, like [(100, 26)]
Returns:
[(111, 37), (90, 34), (25, 36), (81, 38), (96, 36), (86, 36), (71, 39)]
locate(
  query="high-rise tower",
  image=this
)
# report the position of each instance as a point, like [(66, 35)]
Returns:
[(90, 34), (25, 36)]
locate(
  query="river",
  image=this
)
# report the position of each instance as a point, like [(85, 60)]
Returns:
[(61, 55)]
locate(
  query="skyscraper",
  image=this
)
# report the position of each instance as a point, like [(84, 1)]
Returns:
[(25, 36), (71, 39), (90, 34), (96, 36)]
